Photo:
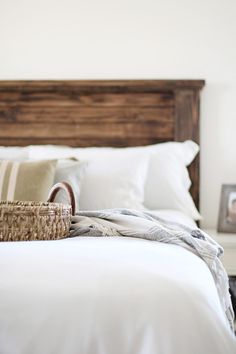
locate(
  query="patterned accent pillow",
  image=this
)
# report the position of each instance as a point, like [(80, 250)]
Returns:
[(28, 181)]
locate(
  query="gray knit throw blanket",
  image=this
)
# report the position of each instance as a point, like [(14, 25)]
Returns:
[(131, 223)]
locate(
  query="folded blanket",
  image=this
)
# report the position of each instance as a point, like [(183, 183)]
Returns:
[(125, 222)]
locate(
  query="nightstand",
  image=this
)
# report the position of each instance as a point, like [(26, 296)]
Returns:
[(228, 242)]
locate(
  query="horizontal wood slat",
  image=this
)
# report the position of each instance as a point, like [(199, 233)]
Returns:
[(85, 114), (120, 130), (101, 86), (74, 142), (61, 99)]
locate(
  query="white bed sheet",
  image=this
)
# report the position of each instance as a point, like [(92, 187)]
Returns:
[(108, 296)]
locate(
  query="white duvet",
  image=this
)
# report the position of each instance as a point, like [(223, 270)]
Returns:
[(108, 296)]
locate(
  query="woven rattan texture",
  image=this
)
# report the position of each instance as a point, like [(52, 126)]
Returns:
[(27, 221)]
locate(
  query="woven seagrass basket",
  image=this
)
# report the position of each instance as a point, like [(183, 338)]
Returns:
[(27, 221)]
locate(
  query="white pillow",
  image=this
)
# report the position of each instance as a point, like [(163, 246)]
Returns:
[(116, 182), (14, 153), (41, 152), (167, 184), (113, 178)]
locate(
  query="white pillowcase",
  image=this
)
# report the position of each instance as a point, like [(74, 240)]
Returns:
[(41, 152), (13, 153), (116, 182), (113, 178), (167, 181)]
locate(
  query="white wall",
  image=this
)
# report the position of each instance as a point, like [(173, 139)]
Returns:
[(90, 39)]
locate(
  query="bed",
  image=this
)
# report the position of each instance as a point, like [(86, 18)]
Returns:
[(107, 295)]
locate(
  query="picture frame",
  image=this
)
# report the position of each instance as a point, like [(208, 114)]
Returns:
[(227, 209)]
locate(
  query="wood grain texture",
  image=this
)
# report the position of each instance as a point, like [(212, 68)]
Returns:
[(187, 127), (101, 113)]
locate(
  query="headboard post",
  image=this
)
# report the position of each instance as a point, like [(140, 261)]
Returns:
[(187, 113)]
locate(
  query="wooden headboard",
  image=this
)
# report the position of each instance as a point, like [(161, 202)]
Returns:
[(101, 113)]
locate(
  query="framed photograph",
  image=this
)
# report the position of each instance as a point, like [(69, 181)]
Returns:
[(227, 211)]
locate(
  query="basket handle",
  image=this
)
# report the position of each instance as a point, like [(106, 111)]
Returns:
[(66, 187)]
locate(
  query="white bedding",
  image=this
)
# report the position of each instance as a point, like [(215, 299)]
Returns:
[(108, 296), (122, 177)]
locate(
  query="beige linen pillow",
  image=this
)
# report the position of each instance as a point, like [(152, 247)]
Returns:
[(28, 181)]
